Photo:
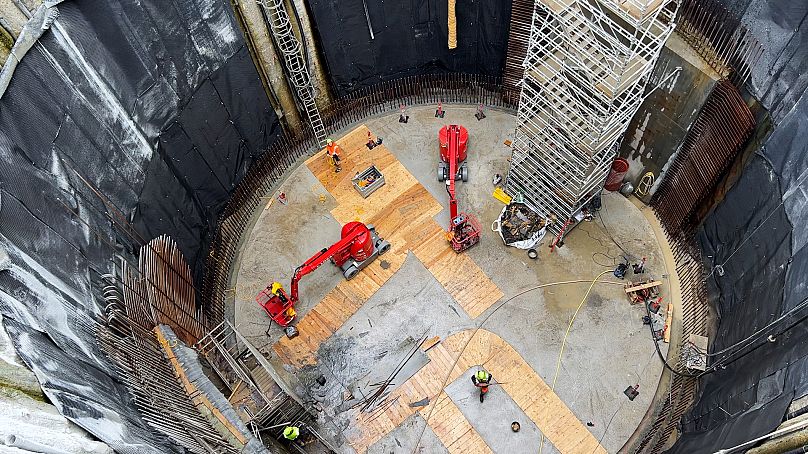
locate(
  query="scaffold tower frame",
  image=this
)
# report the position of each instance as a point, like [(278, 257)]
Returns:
[(586, 71)]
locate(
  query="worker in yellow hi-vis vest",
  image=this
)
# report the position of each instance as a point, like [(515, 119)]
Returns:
[(291, 433), (482, 379)]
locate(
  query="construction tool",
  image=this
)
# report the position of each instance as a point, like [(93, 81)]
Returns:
[(620, 271), (359, 246), (464, 229), (559, 240), (639, 268), (631, 392), (500, 195)]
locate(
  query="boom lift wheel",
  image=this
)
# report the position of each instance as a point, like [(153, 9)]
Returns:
[(350, 272), (442, 174), (383, 246), (464, 173)]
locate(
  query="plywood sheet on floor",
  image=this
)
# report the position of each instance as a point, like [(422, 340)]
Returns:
[(551, 415), (402, 212), (448, 360), (427, 383), (459, 275)]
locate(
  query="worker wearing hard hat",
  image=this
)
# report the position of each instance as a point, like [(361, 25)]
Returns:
[(482, 379), (334, 153), (291, 433), (277, 290)]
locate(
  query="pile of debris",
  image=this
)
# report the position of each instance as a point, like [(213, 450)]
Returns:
[(519, 223)]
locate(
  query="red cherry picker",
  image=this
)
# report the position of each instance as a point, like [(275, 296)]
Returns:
[(464, 229), (359, 246)]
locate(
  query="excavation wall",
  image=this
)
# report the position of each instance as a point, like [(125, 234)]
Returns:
[(126, 120), (409, 37), (754, 245)]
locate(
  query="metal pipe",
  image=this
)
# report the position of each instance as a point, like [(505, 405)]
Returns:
[(15, 441), (784, 439)]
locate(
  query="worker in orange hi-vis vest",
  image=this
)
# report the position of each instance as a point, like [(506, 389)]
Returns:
[(334, 154)]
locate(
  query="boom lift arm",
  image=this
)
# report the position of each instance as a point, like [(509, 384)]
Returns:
[(358, 246), (336, 252), (464, 229)]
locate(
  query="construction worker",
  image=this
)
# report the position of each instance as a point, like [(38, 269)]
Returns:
[(482, 379), (334, 153), (291, 433), (277, 290)]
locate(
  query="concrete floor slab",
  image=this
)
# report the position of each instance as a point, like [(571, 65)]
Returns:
[(492, 418), (404, 439), (411, 304), (284, 236), (608, 348)]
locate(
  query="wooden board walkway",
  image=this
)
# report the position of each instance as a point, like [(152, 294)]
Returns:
[(556, 421), (402, 212)]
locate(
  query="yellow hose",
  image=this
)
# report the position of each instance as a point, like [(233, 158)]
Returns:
[(566, 334)]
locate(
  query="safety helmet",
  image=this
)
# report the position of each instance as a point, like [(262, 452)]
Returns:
[(275, 287), (482, 375), (329, 141)]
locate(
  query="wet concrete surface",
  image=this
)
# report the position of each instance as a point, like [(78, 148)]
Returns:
[(608, 348), (404, 439), (492, 418)]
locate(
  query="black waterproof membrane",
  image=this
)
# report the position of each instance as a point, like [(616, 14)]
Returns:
[(758, 236), (409, 37), (144, 113)]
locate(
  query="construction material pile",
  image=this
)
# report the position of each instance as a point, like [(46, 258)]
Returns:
[(519, 226)]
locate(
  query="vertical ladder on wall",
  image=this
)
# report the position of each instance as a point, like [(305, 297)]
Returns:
[(296, 66)]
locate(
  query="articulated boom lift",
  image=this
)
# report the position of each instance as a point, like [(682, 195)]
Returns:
[(360, 245), (464, 229)]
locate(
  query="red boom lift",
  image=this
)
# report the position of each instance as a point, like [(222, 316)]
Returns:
[(464, 229), (360, 245)]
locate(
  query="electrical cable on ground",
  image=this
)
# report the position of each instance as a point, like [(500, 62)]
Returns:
[(564, 341), (608, 232), (623, 402), (647, 310), (476, 329)]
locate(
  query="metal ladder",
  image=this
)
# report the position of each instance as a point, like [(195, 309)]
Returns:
[(296, 66)]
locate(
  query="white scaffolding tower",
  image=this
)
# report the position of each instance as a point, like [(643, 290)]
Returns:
[(586, 68)]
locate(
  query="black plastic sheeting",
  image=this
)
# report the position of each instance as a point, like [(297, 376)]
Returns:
[(758, 236), (143, 114), (410, 38)]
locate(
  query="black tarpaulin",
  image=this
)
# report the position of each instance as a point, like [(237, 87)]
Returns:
[(754, 246), (125, 114), (410, 37)]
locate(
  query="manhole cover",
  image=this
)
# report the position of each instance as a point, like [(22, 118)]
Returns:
[(385, 264)]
